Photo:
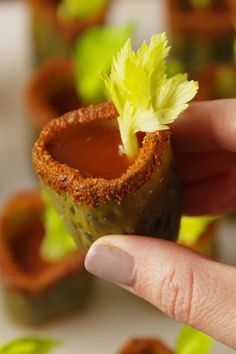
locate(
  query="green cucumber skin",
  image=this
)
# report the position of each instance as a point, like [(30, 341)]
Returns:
[(154, 210), (63, 298)]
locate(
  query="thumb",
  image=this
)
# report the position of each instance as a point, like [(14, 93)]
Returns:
[(183, 284)]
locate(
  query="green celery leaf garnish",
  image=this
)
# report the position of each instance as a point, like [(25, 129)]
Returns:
[(200, 4), (146, 99), (191, 341), (57, 243), (70, 10), (191, 228), (93, 53), (29, 345)]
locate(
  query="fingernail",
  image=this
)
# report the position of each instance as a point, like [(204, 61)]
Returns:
[(110, 263)]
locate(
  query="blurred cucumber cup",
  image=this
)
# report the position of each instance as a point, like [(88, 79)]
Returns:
[(56, 24), (43, 273)]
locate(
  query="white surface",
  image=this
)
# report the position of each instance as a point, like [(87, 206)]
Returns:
[(113, 315)]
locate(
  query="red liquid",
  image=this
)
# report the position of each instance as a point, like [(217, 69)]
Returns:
[(92, 148), (26, 247)]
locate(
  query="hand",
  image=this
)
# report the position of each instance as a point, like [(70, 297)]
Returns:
[(204, 144), (185, 285)]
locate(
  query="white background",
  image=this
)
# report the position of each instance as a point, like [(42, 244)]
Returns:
[(113, 315)]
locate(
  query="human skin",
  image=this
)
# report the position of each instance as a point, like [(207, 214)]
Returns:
[(185, 285)]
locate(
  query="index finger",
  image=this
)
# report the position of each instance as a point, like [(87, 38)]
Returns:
[(206, 126)]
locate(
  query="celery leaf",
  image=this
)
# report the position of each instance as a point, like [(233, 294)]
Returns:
[(146, 99), (57, 243), (29, 345), (191, 228), (191, 341)]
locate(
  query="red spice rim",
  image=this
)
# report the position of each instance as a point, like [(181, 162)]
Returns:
[(143, 345), (68, 29), (96, 191), (14, 277), (40, 111)]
